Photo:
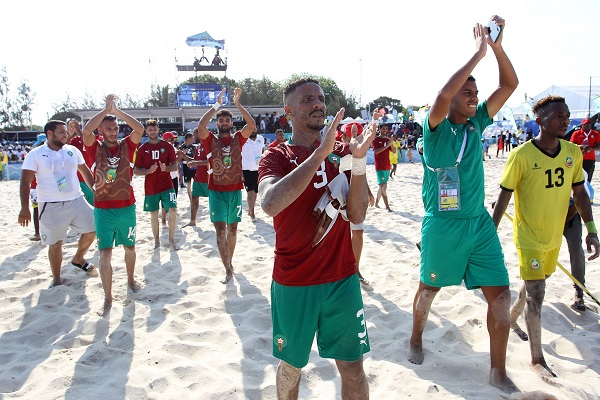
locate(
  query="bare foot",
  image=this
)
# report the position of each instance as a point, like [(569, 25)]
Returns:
[(389, 209), (415, 354), (54, 284), (134, 287), (502, 382), (376, 205), (543, 371), (227, 278), (173, 246), (105, 310), (156, 244), (191, 223), (517, 329)]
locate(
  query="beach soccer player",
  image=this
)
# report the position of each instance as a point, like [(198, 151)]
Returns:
[(542, 173), (458, 238), (60, 200), (315, 290), (225, 179), (114, 201)]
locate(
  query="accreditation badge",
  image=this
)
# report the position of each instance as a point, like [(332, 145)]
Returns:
[(448, 189), (62, 184)]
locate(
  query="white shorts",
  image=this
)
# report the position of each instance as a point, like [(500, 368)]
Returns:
[(56, 218)]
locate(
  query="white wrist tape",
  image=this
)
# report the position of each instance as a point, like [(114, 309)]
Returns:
[(359, 166), (216, 106)]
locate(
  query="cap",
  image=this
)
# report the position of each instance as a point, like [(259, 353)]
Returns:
[(41, 138), (168, 135), (586, 121), (348, 128)]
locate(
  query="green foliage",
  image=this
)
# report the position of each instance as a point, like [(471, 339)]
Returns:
[(159, 97)]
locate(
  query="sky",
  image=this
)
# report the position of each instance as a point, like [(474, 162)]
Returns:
[(398, 49)]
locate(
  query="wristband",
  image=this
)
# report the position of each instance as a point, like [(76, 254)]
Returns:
[(591, 227), (216, 106), (359, 166)]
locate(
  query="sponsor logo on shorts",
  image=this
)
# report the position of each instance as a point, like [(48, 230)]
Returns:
[(569, 162), (281, 341), (433, 275), (535, 264), (44, 237)]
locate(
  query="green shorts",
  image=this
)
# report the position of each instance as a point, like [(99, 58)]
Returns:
[(199, 189), (457, 249), (168, 198), (225, 206), (333, 311), (88, 195), (537, 265), (383, 175), (115, 226)]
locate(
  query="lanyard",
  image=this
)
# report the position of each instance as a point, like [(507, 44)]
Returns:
[(460, 155)]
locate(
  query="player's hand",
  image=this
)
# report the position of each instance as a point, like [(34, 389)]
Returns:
[(359, 145), (152, 168), (162, 166), (220, 96), (329, 139), (111, 103), (591, 240), (237, 94), (371, 200), (479, 33), (24, 217)]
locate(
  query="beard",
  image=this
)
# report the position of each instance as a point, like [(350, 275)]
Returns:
[(57, 143), (315, 127), (224, 130)]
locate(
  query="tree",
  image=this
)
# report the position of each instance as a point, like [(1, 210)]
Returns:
[(5, 102), (20, 112), (159, 96)]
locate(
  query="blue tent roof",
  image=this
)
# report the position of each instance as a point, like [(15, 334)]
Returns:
[(204, 39)]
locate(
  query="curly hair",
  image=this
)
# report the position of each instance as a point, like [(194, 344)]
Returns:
[(539, 107), (295, 84)]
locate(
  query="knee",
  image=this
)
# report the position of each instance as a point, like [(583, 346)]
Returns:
[(351, 370)]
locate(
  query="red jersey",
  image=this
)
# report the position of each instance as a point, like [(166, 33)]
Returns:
[(77, 141), (152, 153), (89, 155), (201, 175), (591, 139), (297, 263), (382, 160), (273, 144), (213, 163)]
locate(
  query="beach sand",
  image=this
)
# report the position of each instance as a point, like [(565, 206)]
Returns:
[(187, 336)]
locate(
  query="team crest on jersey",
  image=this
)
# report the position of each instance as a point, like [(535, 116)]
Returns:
[(281, 341), (162, 149), (569, 162), (70, 153), (334, 158), (535, 264)]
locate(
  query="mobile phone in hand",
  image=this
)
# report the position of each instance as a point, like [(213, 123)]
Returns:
[(494, 30)]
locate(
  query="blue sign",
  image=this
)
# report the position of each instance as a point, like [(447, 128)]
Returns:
[(199, 95)]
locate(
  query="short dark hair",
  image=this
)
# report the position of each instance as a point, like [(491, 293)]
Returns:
[(151, 122), (290, 87), (471, 78), (539, 107), (279, 131), (108, 117), (189, 135), (52, 124), (222, 113)]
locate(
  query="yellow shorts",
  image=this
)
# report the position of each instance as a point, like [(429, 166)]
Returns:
[(537, 265)]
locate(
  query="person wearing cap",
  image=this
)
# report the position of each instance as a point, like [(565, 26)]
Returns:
[(114, 200), (382, 147), (225, 179), (155, 161), (251, 152), (60, 199), (588, 140)]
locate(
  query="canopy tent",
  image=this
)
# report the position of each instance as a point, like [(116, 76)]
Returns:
[(582, 100), (204, 39)]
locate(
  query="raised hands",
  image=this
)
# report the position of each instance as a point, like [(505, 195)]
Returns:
[(329, 138), (237, 93), (220, 96), (111, 103)]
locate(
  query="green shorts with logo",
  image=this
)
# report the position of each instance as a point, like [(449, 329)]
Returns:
[(225, 206), (383, 175), (88, 195), (168, 199), (333, 311), (457, 249), (199, 189), (115, 226)]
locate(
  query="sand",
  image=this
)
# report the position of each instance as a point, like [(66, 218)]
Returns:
[(187, 336)]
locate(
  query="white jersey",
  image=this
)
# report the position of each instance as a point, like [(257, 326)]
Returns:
[(55, 172), (251, 152)]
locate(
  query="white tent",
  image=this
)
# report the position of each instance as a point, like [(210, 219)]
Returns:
[(582, 100)]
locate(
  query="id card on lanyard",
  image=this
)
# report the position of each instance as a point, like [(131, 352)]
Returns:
[(448, 181)]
